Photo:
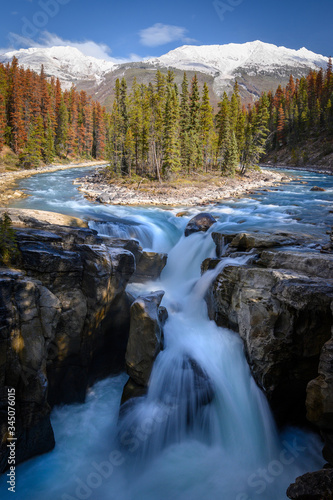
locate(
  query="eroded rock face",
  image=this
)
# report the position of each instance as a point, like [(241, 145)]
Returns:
[(64, 322), (226, 244), (283, 314), (281, 303), (29, 314), (201, 222), (307, 263), (145, 337), (319, 400), (149, 267)]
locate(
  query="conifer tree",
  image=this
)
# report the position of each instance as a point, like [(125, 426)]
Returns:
[(195, 146), (157, 99), (206, 127), (185, 126), (18, 134), (171, 150), (280, 126), (31, 155), (62, 130)]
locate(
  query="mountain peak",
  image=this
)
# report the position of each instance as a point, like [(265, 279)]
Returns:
[(256, 65), (67, 63)]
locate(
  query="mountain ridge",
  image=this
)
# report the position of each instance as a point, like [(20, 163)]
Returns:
[(257, 66)]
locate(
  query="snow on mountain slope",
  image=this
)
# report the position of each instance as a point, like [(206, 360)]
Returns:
[(258, 66), (66, 63), (228, 59)]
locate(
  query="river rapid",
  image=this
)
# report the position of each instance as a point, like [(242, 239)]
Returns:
[(165, 447)]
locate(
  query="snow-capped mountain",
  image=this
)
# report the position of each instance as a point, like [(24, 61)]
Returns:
[(248, 63), (228, 59), (66, 63), (257, 66)]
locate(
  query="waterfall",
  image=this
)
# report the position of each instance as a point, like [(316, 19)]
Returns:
[(204, 431)]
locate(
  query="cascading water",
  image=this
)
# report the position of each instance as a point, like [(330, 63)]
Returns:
[(204, 431)]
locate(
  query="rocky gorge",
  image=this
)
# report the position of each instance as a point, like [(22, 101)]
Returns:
[(281, 304), (81, 305), (65, 320)]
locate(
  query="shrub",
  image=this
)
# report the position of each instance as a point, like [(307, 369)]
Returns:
[(9, 251)]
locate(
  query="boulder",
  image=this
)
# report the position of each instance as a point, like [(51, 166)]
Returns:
[(201, 222), (209, 264), (313, 486), (132, 390), (328, 247), (317, 188), (244, 242), (198, 383), (145, 337), (149, 266)]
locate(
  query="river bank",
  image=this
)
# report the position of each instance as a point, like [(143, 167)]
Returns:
[(8, 180), (199, 190), (316, 169)]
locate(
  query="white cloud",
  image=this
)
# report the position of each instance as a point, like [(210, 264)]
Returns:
[(160, 34), (87, 47)]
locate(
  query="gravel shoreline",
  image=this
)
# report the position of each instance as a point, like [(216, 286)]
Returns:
[(95, 188), (8, 180), (316, 169)]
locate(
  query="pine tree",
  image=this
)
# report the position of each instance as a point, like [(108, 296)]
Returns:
[(256, 132), (231, 156), (99, 132), (62, 130), (31, 155), (48, 151), (171, 150), (136, 122), (123, 110), (206, 127), (223, 132), (18, 135), (280, 126), (157, 99), (185, 126), (195, 146)]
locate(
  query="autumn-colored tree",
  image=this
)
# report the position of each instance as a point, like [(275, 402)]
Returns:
[(280, 125), (2, 121)]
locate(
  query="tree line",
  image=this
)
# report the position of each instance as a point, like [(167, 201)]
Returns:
[(301, 110), (158, 129), (40, 122)]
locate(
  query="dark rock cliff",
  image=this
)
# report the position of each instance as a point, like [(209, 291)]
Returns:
[(64, 322)]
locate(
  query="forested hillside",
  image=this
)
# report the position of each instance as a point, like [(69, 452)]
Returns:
[(159, 129), (40, 122)]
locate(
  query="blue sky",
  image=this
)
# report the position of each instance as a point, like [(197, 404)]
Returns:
[(130, 30)]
